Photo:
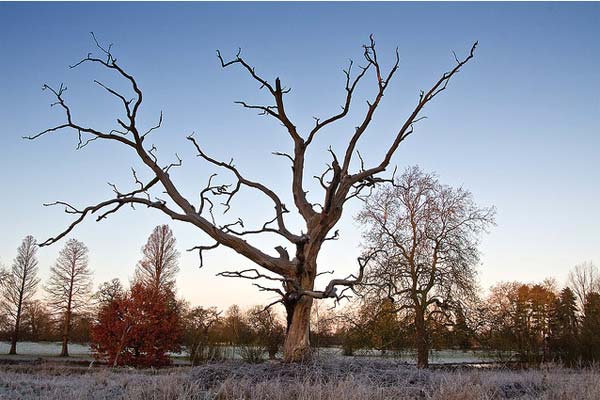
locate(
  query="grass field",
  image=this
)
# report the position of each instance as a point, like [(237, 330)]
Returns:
[(336, 378), (33, 350)]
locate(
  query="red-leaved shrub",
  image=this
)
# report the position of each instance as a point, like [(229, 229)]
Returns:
[(138, 328)]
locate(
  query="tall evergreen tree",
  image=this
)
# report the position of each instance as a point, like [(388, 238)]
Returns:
[(590, 328), (563, 337)]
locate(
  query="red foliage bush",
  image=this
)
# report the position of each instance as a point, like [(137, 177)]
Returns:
[(138, 328)]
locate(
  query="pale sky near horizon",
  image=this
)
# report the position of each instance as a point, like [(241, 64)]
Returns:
[(519, 126)]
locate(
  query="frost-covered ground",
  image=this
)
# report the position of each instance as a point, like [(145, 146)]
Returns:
[(337, 378), (45, 349), (29, 350)]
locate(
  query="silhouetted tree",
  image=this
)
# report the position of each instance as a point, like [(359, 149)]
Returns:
[(198, 324), (583, 279), (160, 263), (69, 287), (236, 331), (590, 328), (340, 182), (518, 320), (37, 323), (109, 291), (20, 286), (80, 327), (374, 324), (267, 328), (563, 338), (322, 325), (427, 235)]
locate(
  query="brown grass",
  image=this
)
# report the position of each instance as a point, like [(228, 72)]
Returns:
[(350, 379)]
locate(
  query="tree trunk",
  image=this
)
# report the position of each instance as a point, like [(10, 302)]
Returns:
[(297, 341), (15, 335), (296, 347), (421, 340), (65, 336), (14, 338)]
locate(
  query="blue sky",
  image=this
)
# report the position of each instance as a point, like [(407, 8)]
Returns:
[(519, 126)]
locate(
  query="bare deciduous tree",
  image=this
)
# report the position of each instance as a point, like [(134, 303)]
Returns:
[(584, 279), (20, 286), (69, 287), (198, 323), (109, 291), (344, 178), (36, 320), (160, 263), (427, 234), (4, 274)]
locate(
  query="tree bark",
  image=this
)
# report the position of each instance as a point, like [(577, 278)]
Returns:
[(67, 326), (297, 341), (65, 337), (15, 335), (421, 340)]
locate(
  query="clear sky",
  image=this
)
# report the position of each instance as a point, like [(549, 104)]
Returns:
[(519, 126)]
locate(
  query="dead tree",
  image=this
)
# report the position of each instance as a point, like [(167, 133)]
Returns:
[(20, 286), (428, 234), (69, 287), (160, 263), (343, 179)]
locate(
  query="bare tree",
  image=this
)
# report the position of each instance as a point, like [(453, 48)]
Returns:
[(344, 178), (69, 287), (36, 321), (4, 274), (428, 236), (584, 279), (20, 286), (160, 263), (266, 326), (198, 323), (109, 291)]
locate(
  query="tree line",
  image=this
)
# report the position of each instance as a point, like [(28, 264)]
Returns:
[(145, 323)]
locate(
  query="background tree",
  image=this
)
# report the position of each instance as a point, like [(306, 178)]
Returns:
[(20, 286), (427, 235), (37, 324), (590, 328), (267, 328), (197, 338), (235, 329), (346, 177), (69, 287), (322, 325), (518, 320), (564, 327), (138, 329), (4, 274), (80, 327), (584, 279), (159, 265), (109, 291)]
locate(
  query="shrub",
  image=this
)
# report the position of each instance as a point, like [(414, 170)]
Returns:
[(139, 328)]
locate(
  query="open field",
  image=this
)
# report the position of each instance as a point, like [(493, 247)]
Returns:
[(51, 350), (324, 379)]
